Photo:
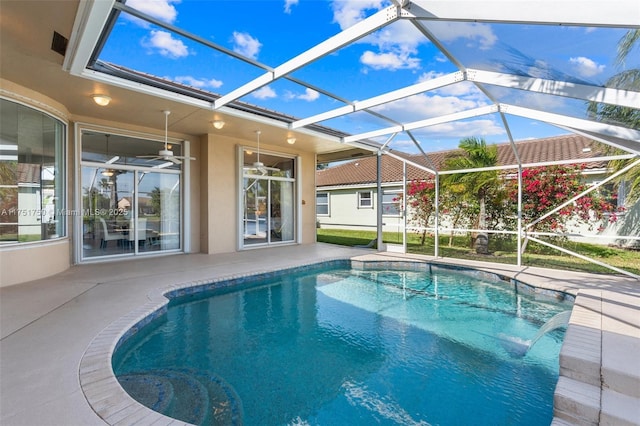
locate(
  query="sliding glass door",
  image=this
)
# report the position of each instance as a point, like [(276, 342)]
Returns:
[(268, 200), (130, 205)]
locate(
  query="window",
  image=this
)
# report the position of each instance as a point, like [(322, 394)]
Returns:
[(365, 200), (31, 175), (322, 204), (391, 203)]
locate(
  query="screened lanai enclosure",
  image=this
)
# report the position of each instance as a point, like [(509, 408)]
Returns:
[(403, 79)]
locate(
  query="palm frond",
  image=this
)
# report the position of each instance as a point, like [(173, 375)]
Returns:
[(626, 45)]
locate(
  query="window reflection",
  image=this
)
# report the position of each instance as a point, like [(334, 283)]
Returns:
[(31, 173), (130, 205)]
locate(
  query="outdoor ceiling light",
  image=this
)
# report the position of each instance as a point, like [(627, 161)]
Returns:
[(291, 141), (107, 172), (102, 100), (218, 124)]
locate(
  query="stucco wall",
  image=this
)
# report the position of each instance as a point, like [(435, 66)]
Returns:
[(25, 262), (219, 192), (29, 262), (213, 196)]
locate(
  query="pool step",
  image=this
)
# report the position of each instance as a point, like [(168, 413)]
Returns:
[(190, 401), (619, 409), (186, 395), (169, 392), (599, 368)]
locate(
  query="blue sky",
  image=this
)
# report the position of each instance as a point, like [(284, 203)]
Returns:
[(271, 32)]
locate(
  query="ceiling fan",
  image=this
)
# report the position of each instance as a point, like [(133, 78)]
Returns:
[(166, 154), (259, 165)]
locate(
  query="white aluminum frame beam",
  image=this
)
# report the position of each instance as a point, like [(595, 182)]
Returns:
[(330, 45), (489, 109), (590, 13), (629, 146), (411, 163), (538, 164), (91, 18), (604, 129), (395, 95), (626, 98), (424, 154)]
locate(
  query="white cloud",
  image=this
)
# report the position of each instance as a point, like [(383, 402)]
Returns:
[(586, 67), (389, 60), (429, 75), (161, 9), (482, 34), (198, 83), (396, 44), (309, 95), (246, 45), (423, 106), (348, 12), (265, 92), (288, 4), (440, 58), (166, 45), (463, 89), (400, 35), (447, 136), (482, 127)]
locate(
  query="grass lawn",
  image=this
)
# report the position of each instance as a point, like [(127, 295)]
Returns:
[(502, 250)]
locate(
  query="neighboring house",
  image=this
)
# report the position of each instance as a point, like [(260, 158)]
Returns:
[(35, 197), (347, 193)]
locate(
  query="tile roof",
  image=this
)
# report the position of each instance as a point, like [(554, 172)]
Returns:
[(28, 173), (557, 148)]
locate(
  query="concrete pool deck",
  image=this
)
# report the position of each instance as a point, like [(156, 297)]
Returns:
[(47, 325)]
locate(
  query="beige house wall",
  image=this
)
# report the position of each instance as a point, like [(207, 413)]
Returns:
[(307, 204), (30, 261), (219, 192), (211, 217)]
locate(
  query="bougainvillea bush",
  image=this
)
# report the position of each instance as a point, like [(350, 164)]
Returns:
[(546, 188), (421, 195), (543, 190)]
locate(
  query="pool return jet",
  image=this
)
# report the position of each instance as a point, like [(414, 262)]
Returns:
[(519, 347)]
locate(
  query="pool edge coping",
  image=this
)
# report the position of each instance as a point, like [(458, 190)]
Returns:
[(108, 399)]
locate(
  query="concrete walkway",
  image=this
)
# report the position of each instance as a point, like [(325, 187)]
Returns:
[(47, 325)]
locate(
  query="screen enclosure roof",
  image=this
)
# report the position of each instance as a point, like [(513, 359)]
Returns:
[(405, 76)]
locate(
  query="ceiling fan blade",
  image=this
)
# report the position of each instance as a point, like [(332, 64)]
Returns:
[(113, 159), (182, 157), (174, 160), (163, 165)]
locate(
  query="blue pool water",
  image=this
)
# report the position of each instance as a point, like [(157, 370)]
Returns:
[(349, 347)]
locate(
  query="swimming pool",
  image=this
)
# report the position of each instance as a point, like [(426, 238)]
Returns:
[(347, 346)]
